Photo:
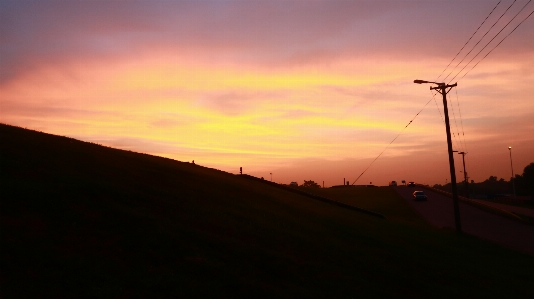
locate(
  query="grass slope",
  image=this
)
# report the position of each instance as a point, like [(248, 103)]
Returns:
[(82, 220), (383, 200)]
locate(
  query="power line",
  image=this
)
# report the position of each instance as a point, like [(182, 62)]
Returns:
[(458, 103), (463, 131), (457, 138), (493, 39), (468, 40), (497, 44), (479, 40), (437, 106), (461, 121), (442, 119), (468, 159), (457, 135), (409, 123), (439, 111)]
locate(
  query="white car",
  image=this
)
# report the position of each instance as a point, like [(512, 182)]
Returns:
[(419, 195)]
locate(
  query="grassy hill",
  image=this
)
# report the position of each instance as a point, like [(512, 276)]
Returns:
[(82, 220)]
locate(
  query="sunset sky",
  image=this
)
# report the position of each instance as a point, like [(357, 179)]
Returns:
[(300, 89)]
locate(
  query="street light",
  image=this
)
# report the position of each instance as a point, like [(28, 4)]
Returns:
[(442, 89), (512, 167), (423, 81), (271, 176)]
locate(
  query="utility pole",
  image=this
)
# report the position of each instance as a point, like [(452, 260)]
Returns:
[(465, 174), (442, 89), (512, 167)]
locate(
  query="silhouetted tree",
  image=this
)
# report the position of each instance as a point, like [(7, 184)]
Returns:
[(310, 183), (494, 186), (528, 178), (524, 184)]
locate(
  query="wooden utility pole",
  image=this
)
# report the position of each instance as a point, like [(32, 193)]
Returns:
[(465, 174), (512, 167), (443, 89)]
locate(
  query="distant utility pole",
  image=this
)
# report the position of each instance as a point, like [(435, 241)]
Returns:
[(512, 167), (465, 174), (442, 89)]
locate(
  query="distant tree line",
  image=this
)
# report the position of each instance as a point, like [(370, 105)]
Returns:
[(310, 184), (524, 185)]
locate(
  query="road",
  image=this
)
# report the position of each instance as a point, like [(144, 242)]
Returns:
[(438, 210)]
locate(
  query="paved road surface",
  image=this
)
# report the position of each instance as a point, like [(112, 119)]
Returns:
[(438, 210)]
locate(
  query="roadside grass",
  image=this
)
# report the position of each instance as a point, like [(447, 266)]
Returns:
[(81, 220), (527, 218), (525, 204), (383, 200)]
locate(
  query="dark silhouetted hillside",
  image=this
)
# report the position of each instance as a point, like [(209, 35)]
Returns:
[(79, 220)]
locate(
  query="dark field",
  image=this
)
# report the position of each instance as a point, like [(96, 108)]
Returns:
[(82, 220)]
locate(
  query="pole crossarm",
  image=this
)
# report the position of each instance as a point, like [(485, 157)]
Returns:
[(441, 88)]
